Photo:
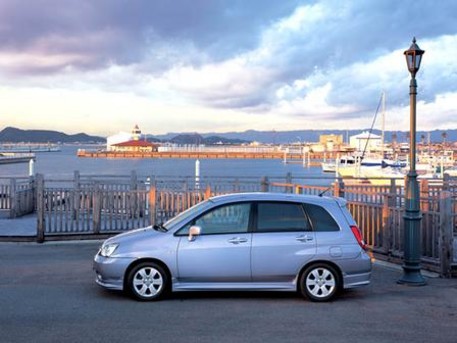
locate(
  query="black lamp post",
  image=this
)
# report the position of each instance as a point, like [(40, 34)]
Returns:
[(412, 236)]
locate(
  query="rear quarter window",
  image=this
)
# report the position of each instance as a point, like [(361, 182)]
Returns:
[(281, 217), (321, 219)]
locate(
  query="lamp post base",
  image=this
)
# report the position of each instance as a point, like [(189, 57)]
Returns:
[(412, 277)]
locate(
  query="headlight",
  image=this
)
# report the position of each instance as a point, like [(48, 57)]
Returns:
[(108, 249)]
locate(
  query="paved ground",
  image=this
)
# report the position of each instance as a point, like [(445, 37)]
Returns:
[(23, 226), (47, 294)]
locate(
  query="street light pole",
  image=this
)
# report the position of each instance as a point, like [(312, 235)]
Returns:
[(412, 218)]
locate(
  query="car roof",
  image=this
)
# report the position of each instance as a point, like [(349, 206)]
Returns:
[(267, 196)]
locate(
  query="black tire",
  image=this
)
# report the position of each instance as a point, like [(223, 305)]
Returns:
[(148, 281), (319, 282)]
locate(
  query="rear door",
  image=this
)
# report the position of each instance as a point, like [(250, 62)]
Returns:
[(282, 241)]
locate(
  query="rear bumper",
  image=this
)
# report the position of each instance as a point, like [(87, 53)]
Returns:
[(358, 273), (356, 280)]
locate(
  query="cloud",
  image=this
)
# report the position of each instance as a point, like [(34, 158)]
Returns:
[(265, 63)]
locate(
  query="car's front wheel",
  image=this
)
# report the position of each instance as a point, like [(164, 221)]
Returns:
[(319, 282), (147, 281)]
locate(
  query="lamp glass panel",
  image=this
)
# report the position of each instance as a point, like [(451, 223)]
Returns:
[(410, 61), (418, 61)]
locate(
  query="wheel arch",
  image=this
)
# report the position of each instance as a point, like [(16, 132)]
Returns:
[(142, 260), (316, 262)]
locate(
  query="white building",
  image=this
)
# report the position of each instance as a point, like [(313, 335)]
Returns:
[(365, 141), (122, 137)]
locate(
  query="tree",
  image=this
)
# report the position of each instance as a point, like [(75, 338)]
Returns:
[(444, 136)]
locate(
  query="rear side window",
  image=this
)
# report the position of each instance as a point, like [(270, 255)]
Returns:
[(277, 216), (321, 220)]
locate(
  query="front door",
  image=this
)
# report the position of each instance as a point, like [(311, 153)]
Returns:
[(221, 253)]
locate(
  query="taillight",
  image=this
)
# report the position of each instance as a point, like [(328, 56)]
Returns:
[(358, 236)]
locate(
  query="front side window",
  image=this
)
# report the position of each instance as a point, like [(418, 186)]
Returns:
[(277, 216), (321, 220), (232, 218)]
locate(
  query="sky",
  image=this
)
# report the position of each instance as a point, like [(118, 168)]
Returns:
[(103, 66)]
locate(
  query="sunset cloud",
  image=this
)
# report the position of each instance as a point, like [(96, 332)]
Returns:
[(222, 65)]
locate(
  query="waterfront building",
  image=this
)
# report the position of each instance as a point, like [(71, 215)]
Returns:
[(134, 145), (129, 142), (331, 142), (365, 141)]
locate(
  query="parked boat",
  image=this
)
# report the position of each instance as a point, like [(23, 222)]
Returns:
[(343, 161)]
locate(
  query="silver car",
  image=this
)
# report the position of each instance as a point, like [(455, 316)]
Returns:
[(247, 241)]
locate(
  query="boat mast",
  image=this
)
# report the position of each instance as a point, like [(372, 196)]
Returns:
[(383, 122)]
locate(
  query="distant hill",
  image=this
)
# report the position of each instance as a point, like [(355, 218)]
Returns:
[(196, 139), (14, 135), (283, 137)]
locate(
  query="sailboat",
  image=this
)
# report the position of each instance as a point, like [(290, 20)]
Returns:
[(375, 166)]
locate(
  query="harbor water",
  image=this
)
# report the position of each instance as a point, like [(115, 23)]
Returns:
[(65, 162)]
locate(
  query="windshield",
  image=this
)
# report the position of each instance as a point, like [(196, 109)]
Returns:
[(187, 214)]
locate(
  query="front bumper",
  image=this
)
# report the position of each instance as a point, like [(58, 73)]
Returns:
[(110, 271)]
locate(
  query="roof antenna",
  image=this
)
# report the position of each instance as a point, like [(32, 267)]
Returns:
[(325, 191)]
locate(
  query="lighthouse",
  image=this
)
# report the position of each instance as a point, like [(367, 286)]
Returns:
[(136, 133)]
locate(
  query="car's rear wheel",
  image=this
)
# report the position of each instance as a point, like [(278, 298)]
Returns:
[(147, 281), (319, 282)]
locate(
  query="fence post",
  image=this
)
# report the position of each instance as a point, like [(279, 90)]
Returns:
[(446, 181), (153, 203), (446, 234), (390, 203), (386, 224), (338, 187), (32, 187), (40, 207), (207, 192), (133, 181), (97, 209), (134, 193), (289, 187), (264, 184), (424, 194), (76, 195), (13, 198)]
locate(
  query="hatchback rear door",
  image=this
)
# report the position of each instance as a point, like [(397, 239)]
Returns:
[(282, 241)]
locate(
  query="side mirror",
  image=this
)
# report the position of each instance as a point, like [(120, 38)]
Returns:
[(194, 231)]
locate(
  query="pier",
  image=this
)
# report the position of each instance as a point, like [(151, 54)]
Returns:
[(6, 158), (296, 156)]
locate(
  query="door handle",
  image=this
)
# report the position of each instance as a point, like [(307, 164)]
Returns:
[(304, 238), (237, 240)]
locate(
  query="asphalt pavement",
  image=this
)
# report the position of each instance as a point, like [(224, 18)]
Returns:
[(48, 294)]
